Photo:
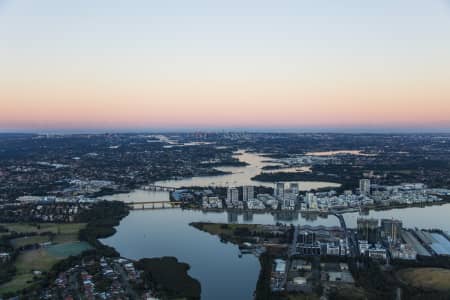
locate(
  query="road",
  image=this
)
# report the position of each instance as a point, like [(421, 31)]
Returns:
[(292, 250), (293, 247), (351, 242)]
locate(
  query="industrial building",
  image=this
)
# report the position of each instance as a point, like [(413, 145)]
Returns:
[(435, 241), (411, 240)]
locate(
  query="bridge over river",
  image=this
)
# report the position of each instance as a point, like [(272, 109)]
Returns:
[(154, 187), (154, 205)]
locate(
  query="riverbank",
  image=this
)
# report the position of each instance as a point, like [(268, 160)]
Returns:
[(322, 213), (249, 238), (426, 277), (36, 269), (167, 277), (305, 177), (400, 206), (227, 232), (42, 250)]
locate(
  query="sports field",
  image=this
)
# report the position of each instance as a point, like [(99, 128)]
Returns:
[(26, 263), (64, 244), (67, 249), (29, 240), (64, 228)]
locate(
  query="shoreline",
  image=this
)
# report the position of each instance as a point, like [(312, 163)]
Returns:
[(319, 213), (101, 223)]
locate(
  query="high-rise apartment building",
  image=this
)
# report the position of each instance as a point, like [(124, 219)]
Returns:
[(248, 193), (391, 228), (279, 190), (364, 186), (232, 195), (368, 230)]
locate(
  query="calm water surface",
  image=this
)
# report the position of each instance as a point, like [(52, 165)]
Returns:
[(222, 274), (329, 153), (242, 175)]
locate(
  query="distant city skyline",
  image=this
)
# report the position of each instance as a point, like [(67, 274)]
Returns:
[(288, 65), (168, 130)]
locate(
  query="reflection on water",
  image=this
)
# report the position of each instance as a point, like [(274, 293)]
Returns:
[(139, 196), (222, 274), (330, 153), (289, 170), (421, 217), (242, 175), (248, 217), (166, 232), (232, 217)]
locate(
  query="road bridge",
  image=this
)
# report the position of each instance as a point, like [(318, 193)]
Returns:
[(155, 187), (154, 205)]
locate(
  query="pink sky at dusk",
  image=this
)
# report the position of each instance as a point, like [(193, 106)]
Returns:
[(325, 68)]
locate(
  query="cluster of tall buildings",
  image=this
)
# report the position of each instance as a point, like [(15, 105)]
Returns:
[(400, 243), (284, 198), (248, 193), (248, 198), (369, 239), (287, 197), (368, 230), (321, 240)]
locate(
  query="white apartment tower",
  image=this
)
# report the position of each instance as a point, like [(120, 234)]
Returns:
[(364, 186), (248, 193), (232, 195)]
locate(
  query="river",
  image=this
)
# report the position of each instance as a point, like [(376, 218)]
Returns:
[(218, 267), (242, 175)]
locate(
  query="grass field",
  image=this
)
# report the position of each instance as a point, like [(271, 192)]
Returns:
[(65, 244), (19, 282), (67, 249), (29, 240), (430, 278), (63, 232), (27, 262), (64, 229)]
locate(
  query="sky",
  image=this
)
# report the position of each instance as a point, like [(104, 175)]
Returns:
[(224, 64)]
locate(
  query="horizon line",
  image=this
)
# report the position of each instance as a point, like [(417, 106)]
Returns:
[(237, 129)]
